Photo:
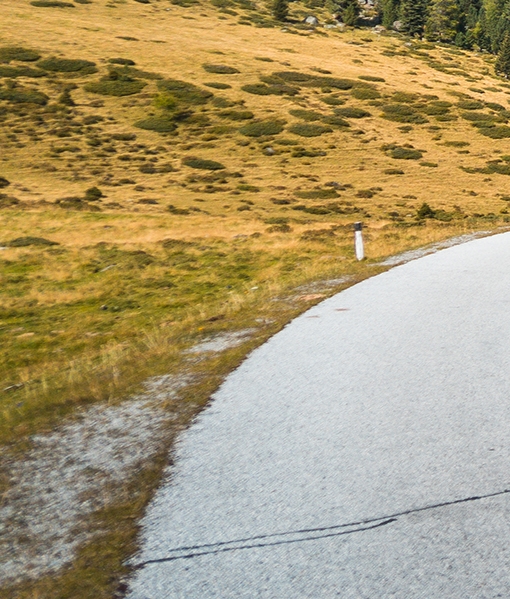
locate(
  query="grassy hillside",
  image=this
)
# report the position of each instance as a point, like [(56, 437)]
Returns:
[(168, 170)]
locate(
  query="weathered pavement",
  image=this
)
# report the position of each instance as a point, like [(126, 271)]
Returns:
[(363, 452)]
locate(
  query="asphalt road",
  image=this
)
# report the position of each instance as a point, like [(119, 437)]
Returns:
[(363, 452)]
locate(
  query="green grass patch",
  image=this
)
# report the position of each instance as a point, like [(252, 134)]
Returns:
[(51, 4), (21, 71), (23, 96), (108, 87), (306, 115), (317, 194), (401, 113), (218, 85), (261, 89)]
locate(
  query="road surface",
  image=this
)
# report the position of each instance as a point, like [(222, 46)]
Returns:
[(363, 452)]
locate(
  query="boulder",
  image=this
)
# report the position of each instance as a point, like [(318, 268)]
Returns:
[(311, 20)]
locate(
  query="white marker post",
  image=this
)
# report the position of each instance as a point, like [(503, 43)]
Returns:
[(358, 242)]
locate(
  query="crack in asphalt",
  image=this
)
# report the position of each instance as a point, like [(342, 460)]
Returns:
[(222, 546)]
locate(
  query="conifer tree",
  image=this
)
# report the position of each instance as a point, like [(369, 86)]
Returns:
[(350, 12), (502, 66), (443, 21), (280, 9), (390, 10), (413, 14)]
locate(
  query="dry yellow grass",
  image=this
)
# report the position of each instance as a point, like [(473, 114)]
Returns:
[(244, 246)]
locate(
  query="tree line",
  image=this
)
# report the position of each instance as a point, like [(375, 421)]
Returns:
[(469, 24)]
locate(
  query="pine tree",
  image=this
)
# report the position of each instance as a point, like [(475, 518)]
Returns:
[(443, 21), (502, 66), (350, 12), (280, 9), (413, 14), (390, 10)]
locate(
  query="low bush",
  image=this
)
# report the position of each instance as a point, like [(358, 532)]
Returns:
[(14, 72), (24, 96), (218, 85), (333, 101), (317, 194), (220, 69), (68, 65), (122, 61), (261, 89), (237, 115), (495, 106), (429, 164), (335, 121), (124, 136), (402, 114), (481, 116), (8, 53), (304, 153), (260, 128), (180, 211), (4, 183), (470, 104), (434, 109), (351, 112), (200, 163), (305, 115), (365, 193), (456, 144), (21, 242), (402, 153), (185, 92), (93, 194), (51, 4), (498, 132), (365, 93), (393, 171), (158, 124), (309, 129), (108, 87)]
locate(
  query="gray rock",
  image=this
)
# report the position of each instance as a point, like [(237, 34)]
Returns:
[(311, 20)]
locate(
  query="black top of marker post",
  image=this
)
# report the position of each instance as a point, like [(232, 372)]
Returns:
[(358, 226)]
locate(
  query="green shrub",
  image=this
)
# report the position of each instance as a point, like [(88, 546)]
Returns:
[(404, 97), (217, 85), (93, 194), (307, 80), (8, 53), (51, 4), (335, 121), (306, 115), (200, 163), (470, 104), (236, 115), (429, 164), (402, 114), (456, 144), (122, 61), (14, 72), (158, 124), (393, 171), (309, 129), (371, 78), (220, 69), (260, 128), (495, 106), (128, 73), (304, 153), (351, 112), (498, 132), (24, 96), (425, 211), (108, 87), (332, 101), (68, 65), (21, 242), (402, 153), (184, 92), (365, 93), (180, 211), (365, 193), (260, 89), (480, 116), (317, 194), (124, 136), (434, 109)]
